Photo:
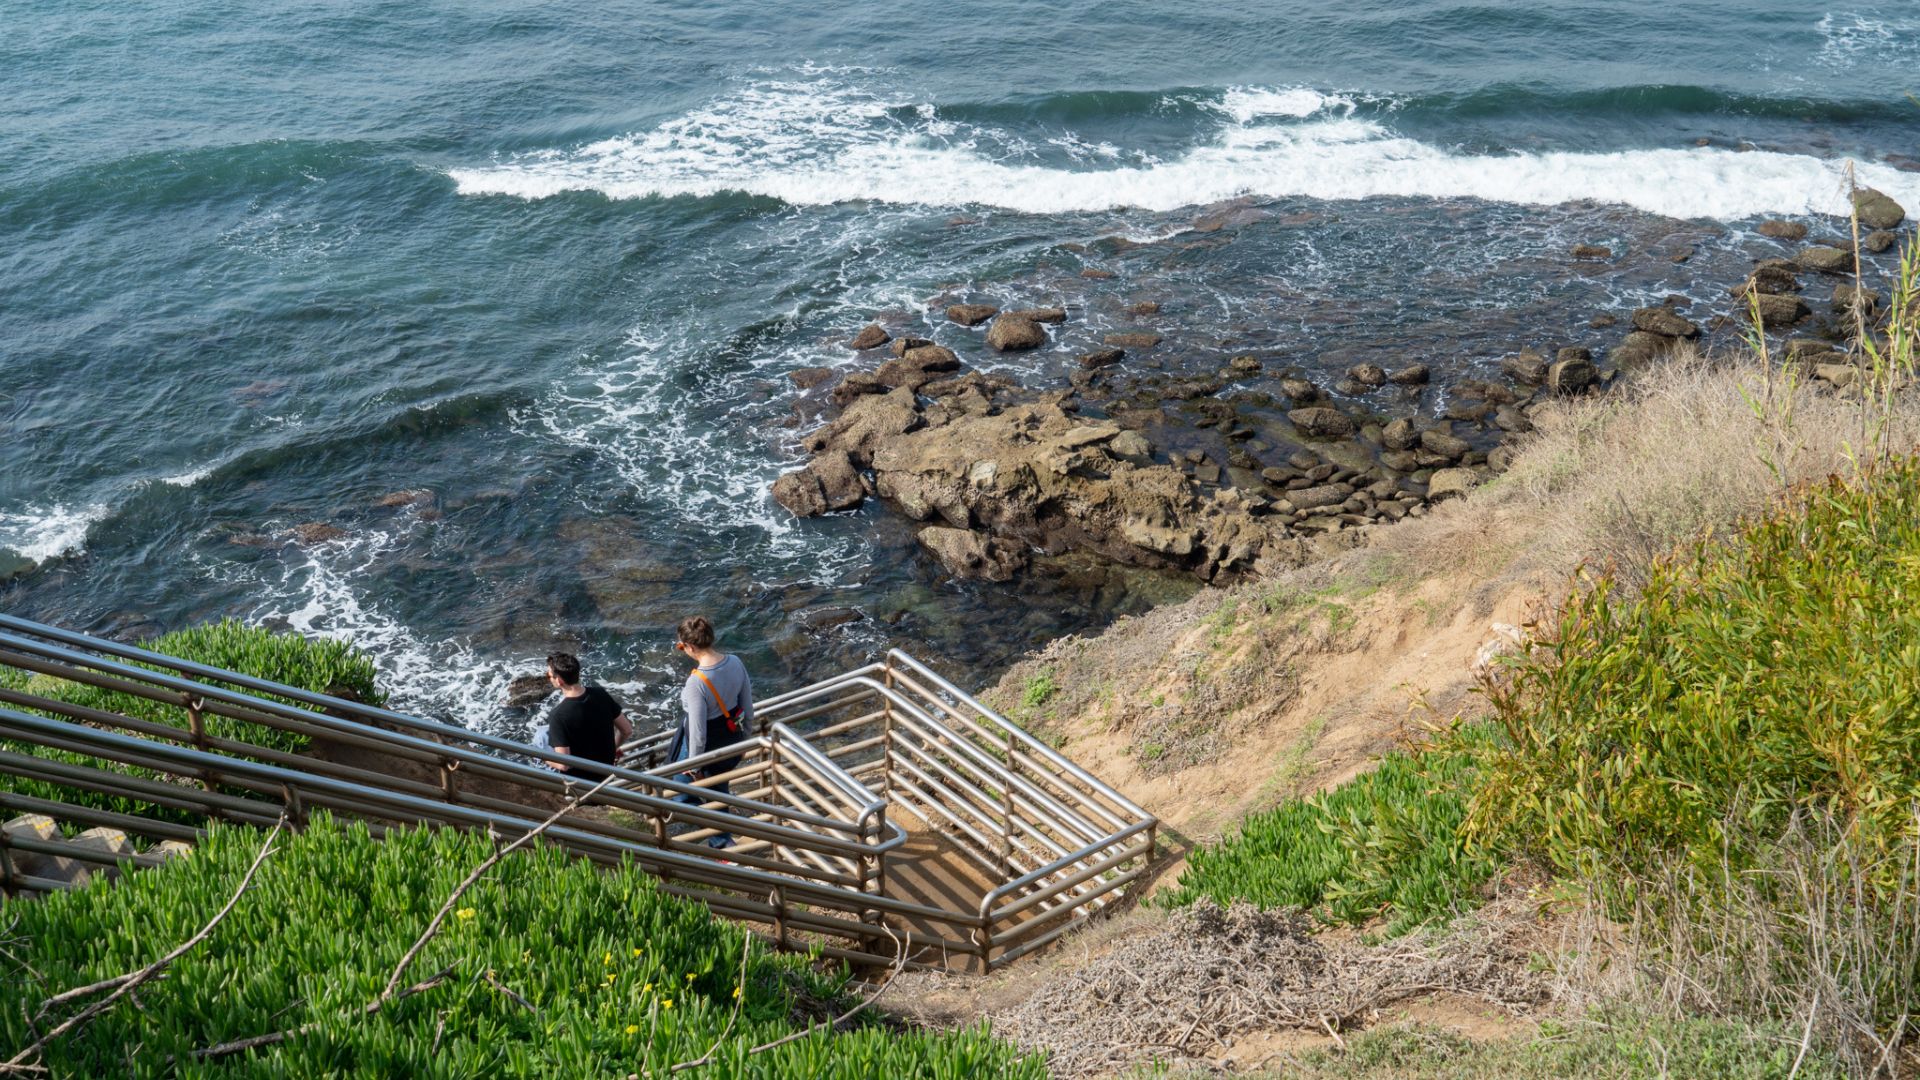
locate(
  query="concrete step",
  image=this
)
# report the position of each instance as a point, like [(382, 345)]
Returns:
[(110, 842), (40, 858), (59, 870)]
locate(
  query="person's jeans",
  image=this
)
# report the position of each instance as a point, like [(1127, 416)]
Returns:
[(725, 787)]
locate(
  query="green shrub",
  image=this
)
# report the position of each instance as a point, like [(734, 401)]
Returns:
[(317, 665), (621, 978), (1744, 681), (1384, 843)]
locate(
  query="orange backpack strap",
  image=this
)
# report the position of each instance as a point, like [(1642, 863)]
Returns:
[(717, 700)]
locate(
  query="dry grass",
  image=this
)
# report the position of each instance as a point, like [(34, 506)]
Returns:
[(1809, 938), (1181, 995), (1687, 448)]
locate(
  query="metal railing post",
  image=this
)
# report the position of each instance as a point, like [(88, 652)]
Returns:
[(886, 733), (6, 863), (1006, 813), (197, 726)]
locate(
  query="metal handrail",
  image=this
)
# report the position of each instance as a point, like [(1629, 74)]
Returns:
[(264, 777), (1066, 842), (422, 749)]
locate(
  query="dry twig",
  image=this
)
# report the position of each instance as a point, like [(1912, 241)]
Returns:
[(122, 985), (391, 992), (899, 964)]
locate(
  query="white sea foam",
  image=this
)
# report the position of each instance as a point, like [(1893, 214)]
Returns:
[(818, 142), (1854, 37), (1249, 103), (324, 594), (191, 476), (41, 532)]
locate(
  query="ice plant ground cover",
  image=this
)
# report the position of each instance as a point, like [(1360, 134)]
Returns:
[(555, 967)]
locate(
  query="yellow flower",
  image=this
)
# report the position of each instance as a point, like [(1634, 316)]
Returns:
[(464, 913), (666, 1003), (647, 989), (689, 976), (736, 993), (633, 1029), (607, 959), (637, 952)]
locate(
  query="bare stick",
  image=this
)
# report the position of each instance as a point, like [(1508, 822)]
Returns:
[(439, 917), (272, 1038), (507, 991), (126, 984), (739, 1000), (391, 992), (899, 964)]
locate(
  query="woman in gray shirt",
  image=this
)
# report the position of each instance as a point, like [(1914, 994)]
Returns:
[(718, 701)]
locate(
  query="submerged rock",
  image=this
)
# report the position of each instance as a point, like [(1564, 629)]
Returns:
[(526, 691), (971, 314), (970, 554), (1591, 252), (316, 532), (1777, 229), (1132, 339), (1041, 315), (870, 338)]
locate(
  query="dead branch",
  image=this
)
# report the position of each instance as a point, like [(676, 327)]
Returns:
[(272, 1038), (507, 992), (125, 984), (739, 1000), (440, 917), (390, 993)]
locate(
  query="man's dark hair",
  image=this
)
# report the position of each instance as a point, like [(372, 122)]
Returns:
[(696, 631), (566, 667)]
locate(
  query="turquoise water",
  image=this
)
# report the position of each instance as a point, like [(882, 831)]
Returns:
[(266, 265)]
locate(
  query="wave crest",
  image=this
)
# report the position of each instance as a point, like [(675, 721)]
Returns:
[(819, 142)]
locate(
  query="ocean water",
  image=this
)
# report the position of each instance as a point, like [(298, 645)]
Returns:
[(507, 293)]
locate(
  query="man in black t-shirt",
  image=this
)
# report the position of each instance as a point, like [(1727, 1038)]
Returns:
[(588, 723)]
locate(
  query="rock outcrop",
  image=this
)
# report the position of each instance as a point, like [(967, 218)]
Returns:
[(998, 472)]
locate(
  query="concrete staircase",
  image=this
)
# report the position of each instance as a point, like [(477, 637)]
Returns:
[(36, 856)]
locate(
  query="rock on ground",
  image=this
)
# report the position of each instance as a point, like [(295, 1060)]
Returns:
[(1824, 259)]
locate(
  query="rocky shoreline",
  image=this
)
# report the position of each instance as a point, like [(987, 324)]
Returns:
[(1250, 467)]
